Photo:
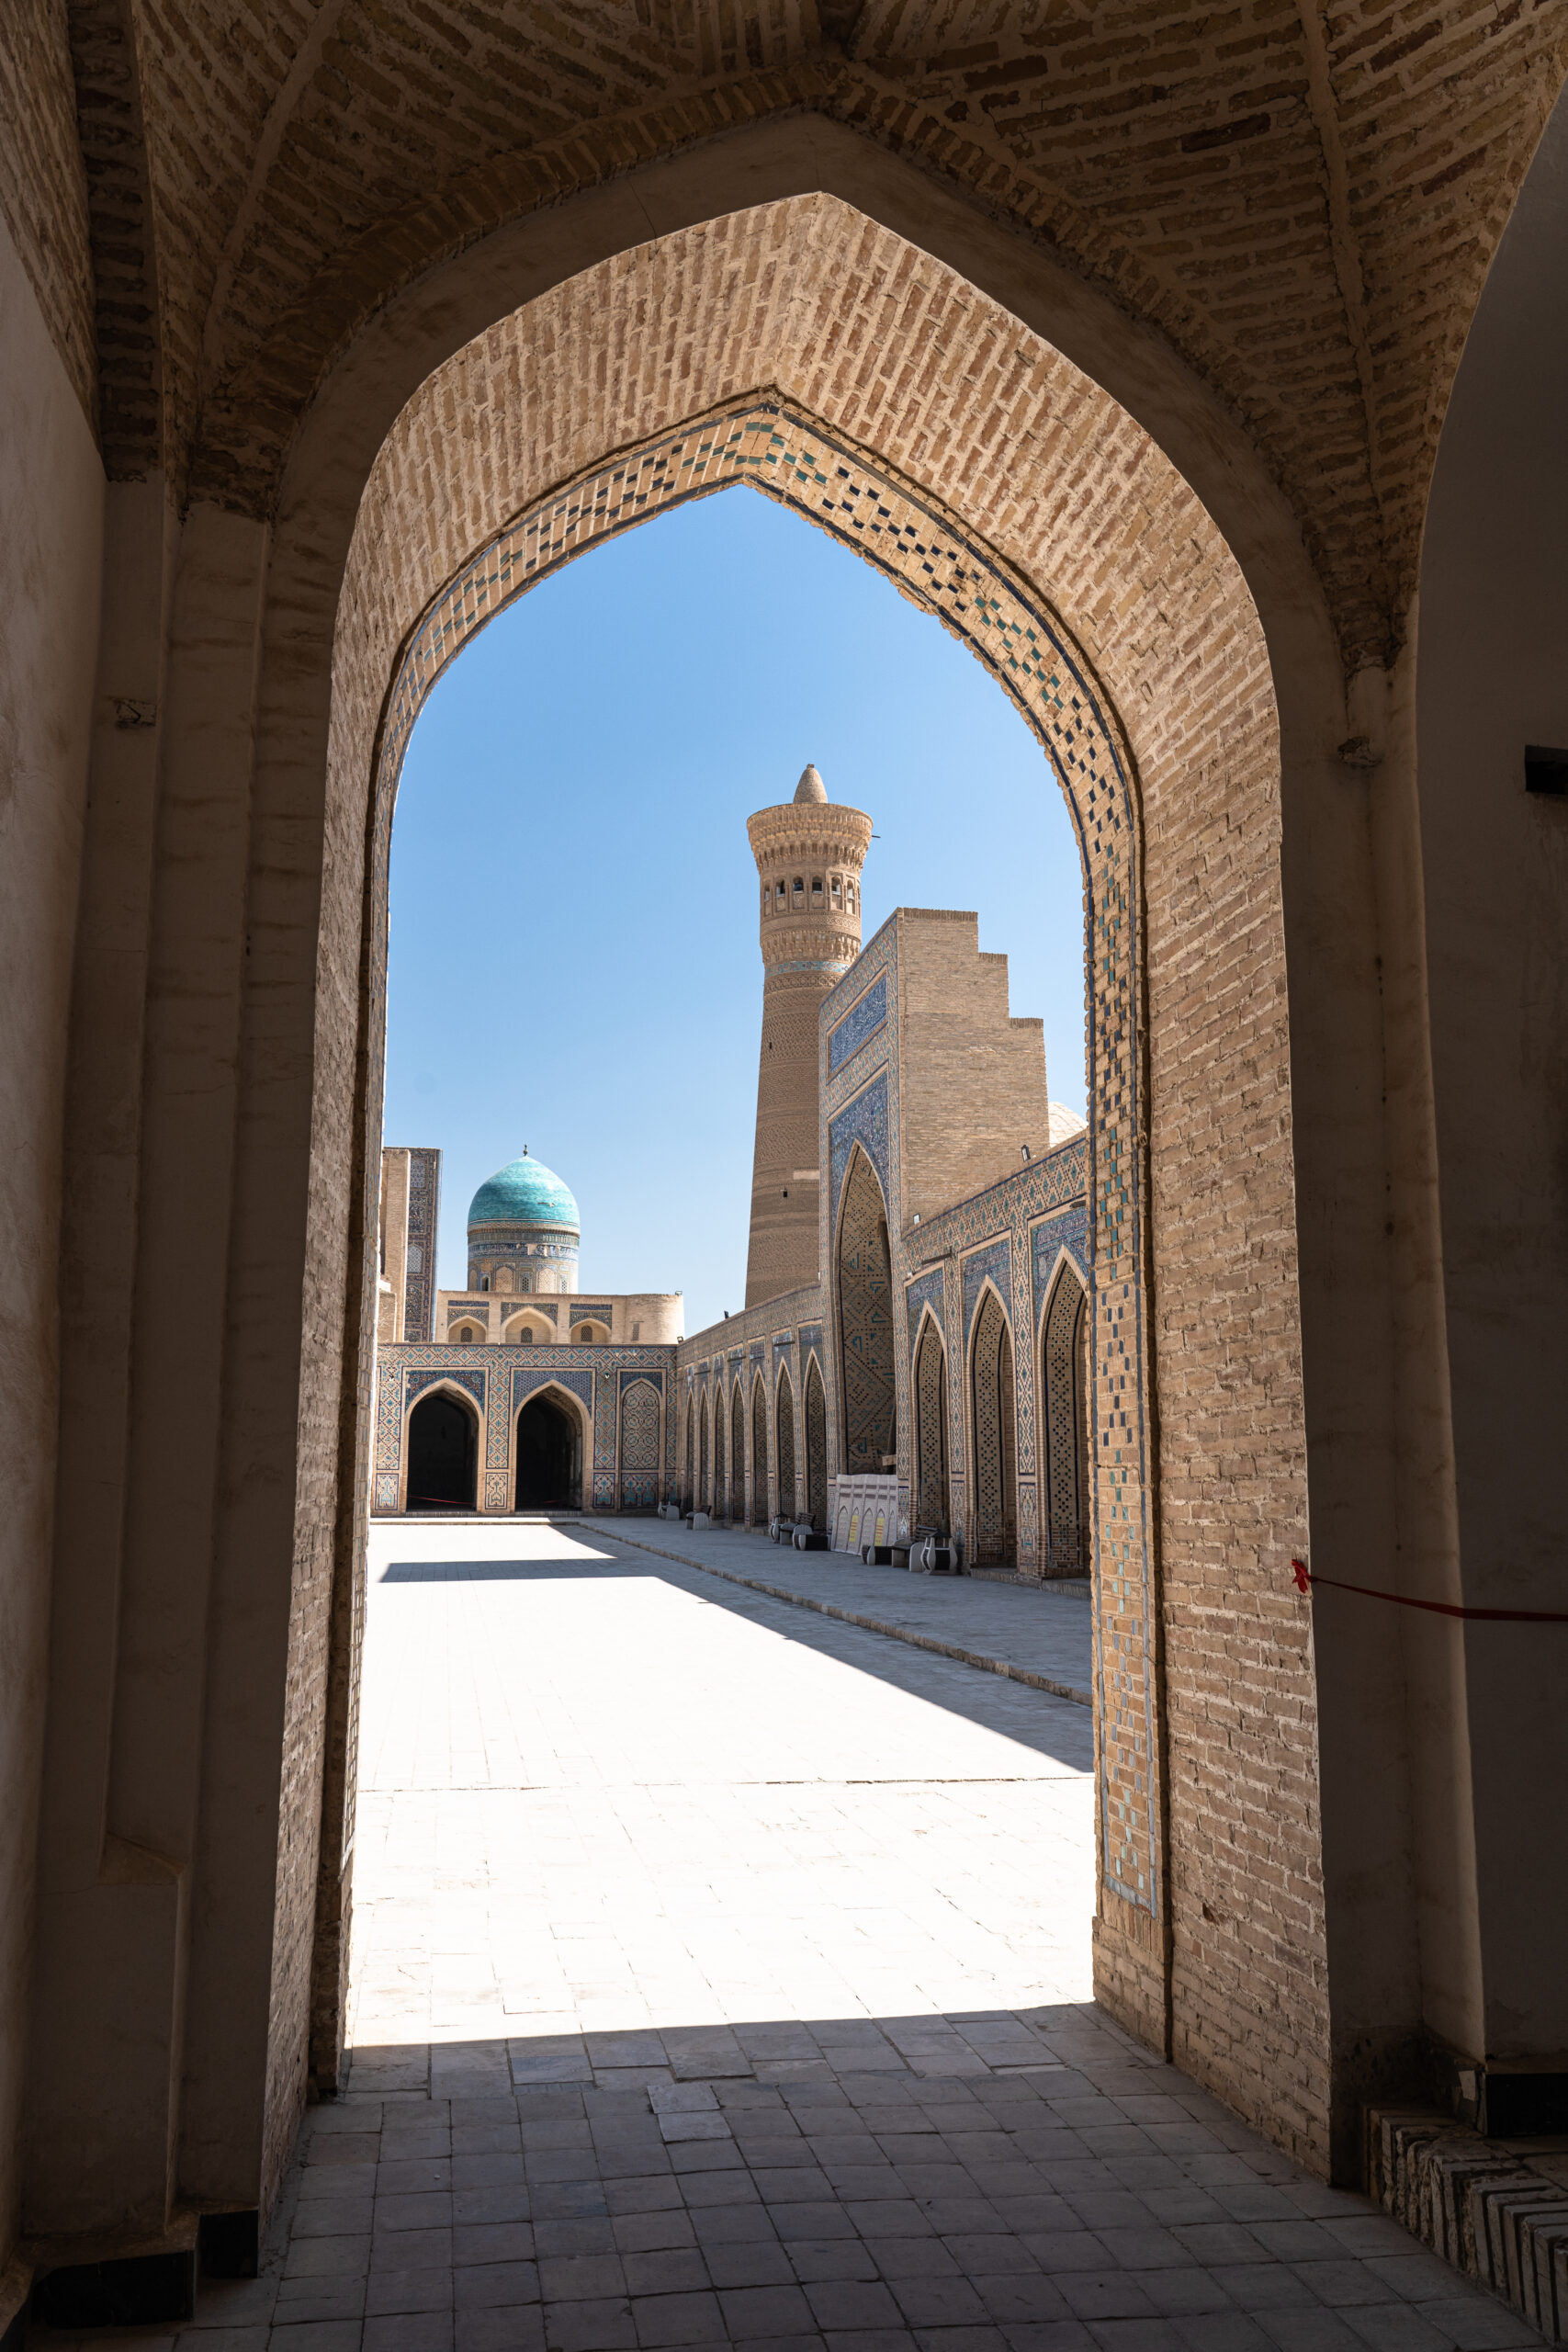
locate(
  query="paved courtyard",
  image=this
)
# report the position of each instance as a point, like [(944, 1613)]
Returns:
[(721, 1976)]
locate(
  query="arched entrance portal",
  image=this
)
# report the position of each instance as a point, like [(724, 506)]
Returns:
[(967, 533), (930, 1428), (442, 1454), (1064, 1383), (865, 1324), (994, 1529), (549, 1457)]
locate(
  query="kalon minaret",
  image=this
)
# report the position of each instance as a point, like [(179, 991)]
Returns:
[(809, 853)]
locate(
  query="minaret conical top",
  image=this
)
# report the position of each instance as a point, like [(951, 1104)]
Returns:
[(811, 787)]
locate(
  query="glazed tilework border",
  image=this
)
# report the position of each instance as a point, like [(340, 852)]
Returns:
[(1068, 1231), (925, 1290), (866, 1016), (793, 458), (993, 1264), (860, 1103), (514, 1375), (862, 1120), (423, 1226), (416, 1382)]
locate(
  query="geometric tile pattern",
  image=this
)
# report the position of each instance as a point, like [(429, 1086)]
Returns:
[(760, 1487), (866, 1015), (793, 458), (1065, 1466), (865, 1324), (1068, 1231), (930, 1429), (639, 1425), (996, 1470), (925, 1290), (423, 1216), (992, 1265), (815, 1448), (864, 1121), (500, 1381), (784, 1422), (737, 1451)]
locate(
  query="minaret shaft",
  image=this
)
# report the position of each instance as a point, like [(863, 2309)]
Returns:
[(809, 853)]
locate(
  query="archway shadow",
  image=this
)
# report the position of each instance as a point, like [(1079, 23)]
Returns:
[(1051, 1727), (1069, 2049)]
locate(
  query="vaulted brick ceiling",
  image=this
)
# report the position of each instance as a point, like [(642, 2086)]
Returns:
[(1304, 201)]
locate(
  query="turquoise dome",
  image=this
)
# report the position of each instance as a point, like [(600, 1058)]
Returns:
[(526, 1192)]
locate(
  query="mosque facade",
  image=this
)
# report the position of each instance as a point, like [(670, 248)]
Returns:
[(911, 1360)]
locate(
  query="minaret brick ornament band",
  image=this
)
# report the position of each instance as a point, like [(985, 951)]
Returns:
[(809, 853)]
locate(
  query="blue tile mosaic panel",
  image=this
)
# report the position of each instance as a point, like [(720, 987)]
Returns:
[(994, 1265), (925, 1290), (1069, 1231), (862, 1120), (862, 1021)]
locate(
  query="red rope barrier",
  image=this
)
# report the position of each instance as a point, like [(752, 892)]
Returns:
[(1305, 1578)]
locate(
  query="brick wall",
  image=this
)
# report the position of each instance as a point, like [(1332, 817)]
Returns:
[(43, 187), (972, 1089)]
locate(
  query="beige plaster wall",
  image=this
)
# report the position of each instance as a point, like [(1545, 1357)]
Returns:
[(51, 528)]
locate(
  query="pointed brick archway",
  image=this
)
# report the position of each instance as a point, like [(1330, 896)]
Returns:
[(908, 415)]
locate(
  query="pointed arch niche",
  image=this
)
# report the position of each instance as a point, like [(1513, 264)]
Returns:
[(929, 1383), (993, 1516), (760, 1498), (1063, 1414), (862, 1267), (1011, 495), (788, 1498), (738, 1451)]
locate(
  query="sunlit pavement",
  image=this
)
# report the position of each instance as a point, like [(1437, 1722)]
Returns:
[(601, 1791), (721, 1976)]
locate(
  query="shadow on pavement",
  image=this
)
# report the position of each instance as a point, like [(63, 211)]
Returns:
[(1051, 1727)]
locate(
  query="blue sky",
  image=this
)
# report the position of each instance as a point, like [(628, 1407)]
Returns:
[(574, 962)]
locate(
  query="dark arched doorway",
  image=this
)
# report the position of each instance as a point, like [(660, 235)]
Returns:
[(549, 1457), (866, 1326), (1064, 1388), (737, 1454), (994, 1518), (759, 1500), (717, 1500), (816, 1449), (444, 1454), (786, 1427), (930, 1428)]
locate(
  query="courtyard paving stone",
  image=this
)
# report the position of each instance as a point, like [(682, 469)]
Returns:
[(1037, 1633), (721, 1976)]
